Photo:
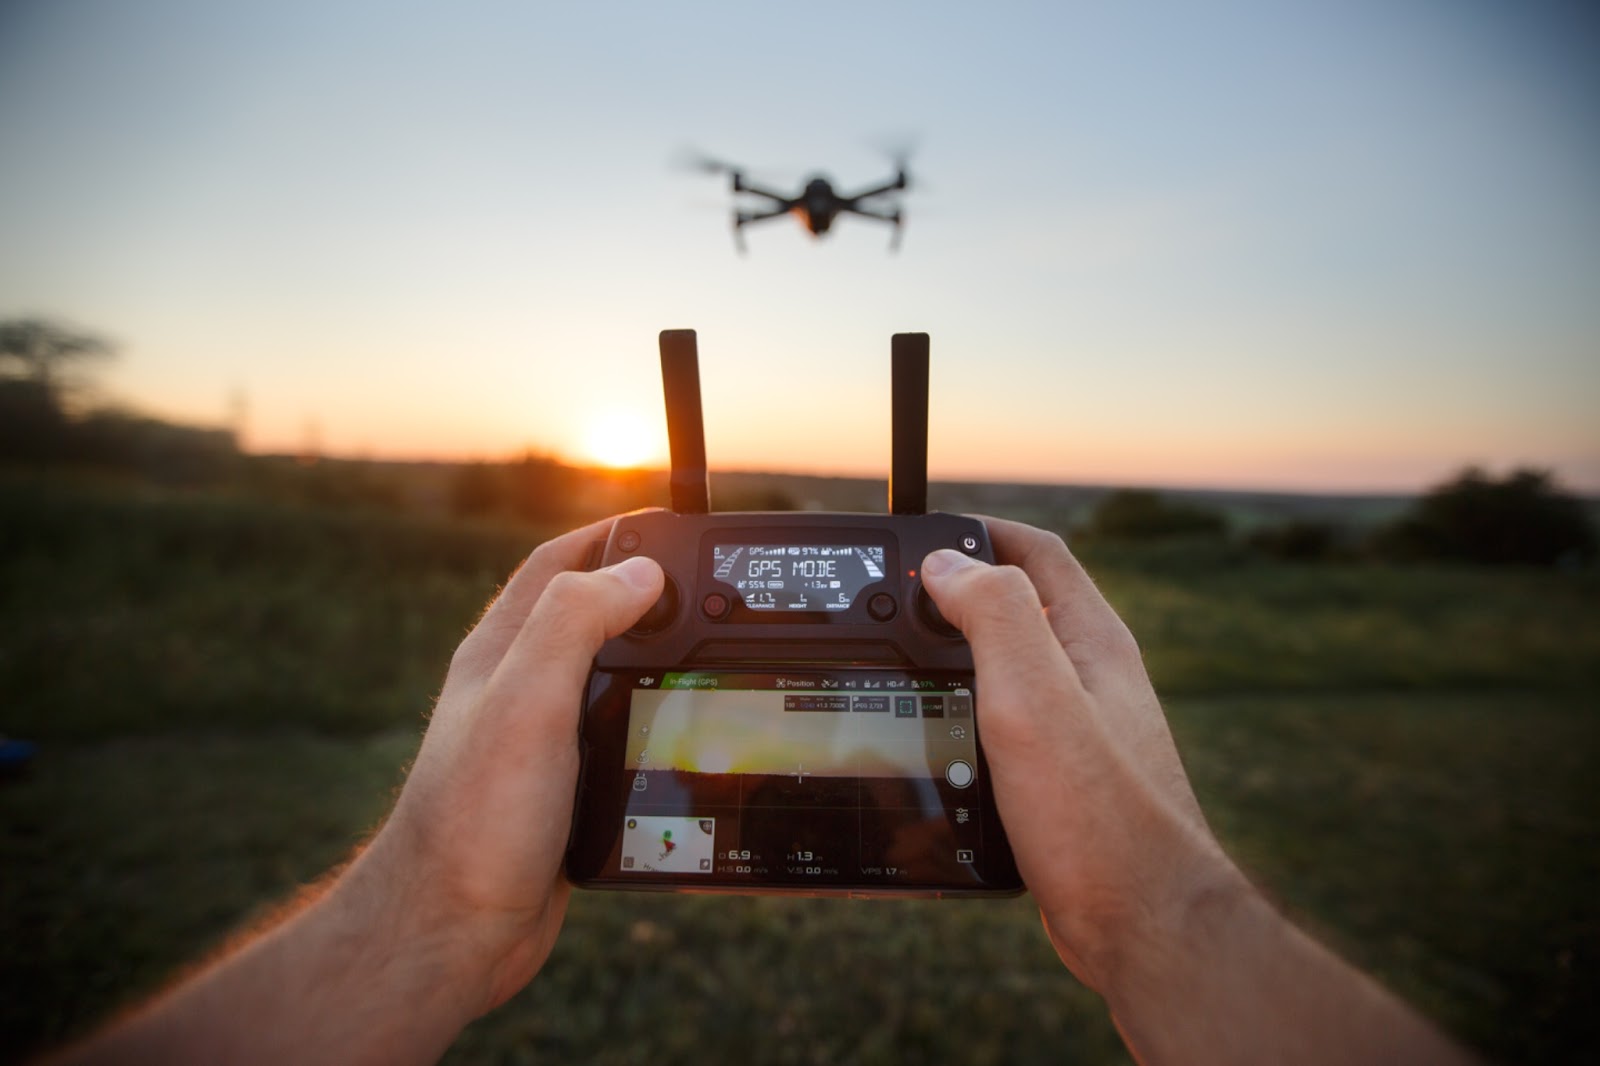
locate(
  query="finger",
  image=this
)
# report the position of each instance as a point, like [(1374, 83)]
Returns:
[(544, 670), (1034, 718), (1093, 634), (1102, 650), (1013, 648), (505, 616), (527, 583)]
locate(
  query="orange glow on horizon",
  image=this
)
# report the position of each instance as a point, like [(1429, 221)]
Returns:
[(620, 438)]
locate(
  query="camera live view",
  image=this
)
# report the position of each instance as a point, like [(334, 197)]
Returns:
[(799, 778)]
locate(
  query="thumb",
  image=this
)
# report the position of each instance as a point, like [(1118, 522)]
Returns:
[(1019, 661), (996, 607), (575, 615)]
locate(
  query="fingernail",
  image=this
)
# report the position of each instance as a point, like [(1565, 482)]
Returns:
[(639, 571), (944, 561)]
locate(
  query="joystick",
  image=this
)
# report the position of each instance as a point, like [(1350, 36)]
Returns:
[(661, 613), (787, 713), (931, 616)]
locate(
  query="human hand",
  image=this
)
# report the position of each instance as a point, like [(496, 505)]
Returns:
[(1137, 896), (1107, 833), (456, 902), (477, 836)]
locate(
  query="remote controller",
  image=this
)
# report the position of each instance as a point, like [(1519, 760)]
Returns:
[(793, 714)]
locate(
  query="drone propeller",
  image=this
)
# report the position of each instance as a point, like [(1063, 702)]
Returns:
[(742, 181), (695, 160), (899, 149)]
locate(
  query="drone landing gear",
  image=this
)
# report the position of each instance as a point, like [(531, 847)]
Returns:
[(741, 219), (892, 217)]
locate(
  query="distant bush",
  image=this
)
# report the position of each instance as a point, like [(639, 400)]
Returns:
[(758, 499), (33, 427), (1140, 514), (1303, 540), (1524, 518), (159, 451), (533, 488), (540, 488), (477, 489), (36, 430)]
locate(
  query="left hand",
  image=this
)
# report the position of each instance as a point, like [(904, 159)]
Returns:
[(476, 840)]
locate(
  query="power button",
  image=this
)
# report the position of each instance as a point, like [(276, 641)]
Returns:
[(969, 543)]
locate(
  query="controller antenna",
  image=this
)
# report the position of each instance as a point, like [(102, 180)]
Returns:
[(686, 431), (908, 472)]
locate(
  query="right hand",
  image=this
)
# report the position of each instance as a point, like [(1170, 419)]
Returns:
[(1107, 833)]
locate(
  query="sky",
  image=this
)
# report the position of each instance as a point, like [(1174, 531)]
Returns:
[(1279, 245)]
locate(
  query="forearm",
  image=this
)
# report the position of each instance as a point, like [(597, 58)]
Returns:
[(457, 902), (1139, 899), (1232, 981), (355, 975)]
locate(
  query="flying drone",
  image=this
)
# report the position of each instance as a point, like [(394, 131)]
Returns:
[(817, 204)]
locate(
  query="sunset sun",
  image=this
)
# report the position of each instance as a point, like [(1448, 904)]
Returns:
[(621, 439)]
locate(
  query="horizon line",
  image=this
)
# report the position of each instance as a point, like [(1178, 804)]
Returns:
[(1588, 494)]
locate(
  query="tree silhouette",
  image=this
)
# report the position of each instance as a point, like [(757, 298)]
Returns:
[(41, 351), (36, 357), (1524, 518)]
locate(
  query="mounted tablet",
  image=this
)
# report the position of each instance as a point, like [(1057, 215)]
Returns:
[(793, 715)]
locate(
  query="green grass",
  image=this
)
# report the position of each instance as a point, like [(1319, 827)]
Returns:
[(1215, 619), (1444, 841), (130, 612), (226, 695), (126, 859)]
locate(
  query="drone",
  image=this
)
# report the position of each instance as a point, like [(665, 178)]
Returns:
[(817, 205)]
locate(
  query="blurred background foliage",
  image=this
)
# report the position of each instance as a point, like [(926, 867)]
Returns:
[(48, 424), (226, 660)]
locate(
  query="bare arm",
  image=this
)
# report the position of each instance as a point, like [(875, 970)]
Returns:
[(457, 901), (1137, 896)]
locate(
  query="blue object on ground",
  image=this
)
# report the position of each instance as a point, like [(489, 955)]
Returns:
[(14, 754)]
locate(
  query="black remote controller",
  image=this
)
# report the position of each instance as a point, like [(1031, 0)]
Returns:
[(793, 714)]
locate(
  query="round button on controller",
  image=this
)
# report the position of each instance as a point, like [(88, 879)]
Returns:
[(628, 540), (715, 605), (882, 607), (969, 543)]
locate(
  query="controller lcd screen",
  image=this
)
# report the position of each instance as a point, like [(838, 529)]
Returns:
[(798, 577), (845, 778)]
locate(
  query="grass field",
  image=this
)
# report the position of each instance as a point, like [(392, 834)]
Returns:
[(225, 695)]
